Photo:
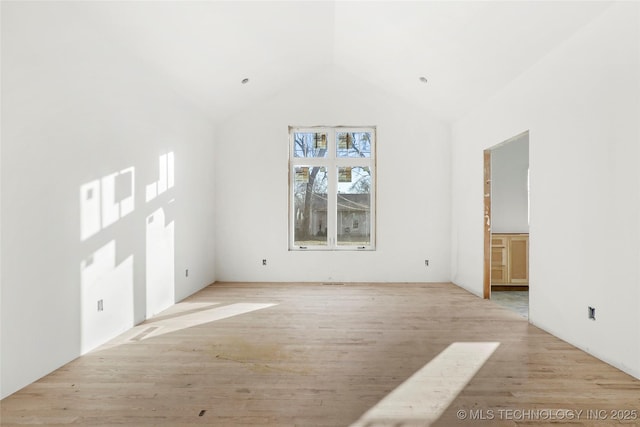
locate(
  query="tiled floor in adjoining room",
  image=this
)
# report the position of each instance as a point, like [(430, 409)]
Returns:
[(517, 301)]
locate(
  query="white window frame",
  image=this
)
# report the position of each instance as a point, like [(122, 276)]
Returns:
[(332, 163)]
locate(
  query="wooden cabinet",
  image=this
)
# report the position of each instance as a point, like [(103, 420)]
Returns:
[(499, 259), (509, 259)]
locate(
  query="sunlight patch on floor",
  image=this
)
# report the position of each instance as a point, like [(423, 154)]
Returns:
[(182, 316), (422, 398)]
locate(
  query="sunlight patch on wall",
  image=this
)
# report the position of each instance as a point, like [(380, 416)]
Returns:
[(106, 295), (104, 201), (107, 289), (160, 263), (166, 177), (427, 393)]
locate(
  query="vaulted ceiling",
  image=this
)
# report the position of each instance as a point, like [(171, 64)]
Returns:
[(467, 50)]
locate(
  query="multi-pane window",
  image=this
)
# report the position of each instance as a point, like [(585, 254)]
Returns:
[(332, 188)]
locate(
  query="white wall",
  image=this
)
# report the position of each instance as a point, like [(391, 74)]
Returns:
[(509, 194), (581, 104), (77, 113), (413, 192)]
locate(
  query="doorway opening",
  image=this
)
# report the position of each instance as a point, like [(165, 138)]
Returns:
[(506, 223)]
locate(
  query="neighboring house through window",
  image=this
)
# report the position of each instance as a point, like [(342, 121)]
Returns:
[(332, 188)]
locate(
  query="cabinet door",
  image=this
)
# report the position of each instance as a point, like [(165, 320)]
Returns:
[(519, 259), (498, 275), (499, 272)]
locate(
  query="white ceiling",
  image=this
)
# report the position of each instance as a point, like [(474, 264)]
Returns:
[(467, 50)]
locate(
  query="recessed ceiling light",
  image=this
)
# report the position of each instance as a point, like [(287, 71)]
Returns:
[(423, 79), (245, 81)]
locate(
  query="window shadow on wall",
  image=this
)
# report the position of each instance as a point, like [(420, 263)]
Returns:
[(110, 226)]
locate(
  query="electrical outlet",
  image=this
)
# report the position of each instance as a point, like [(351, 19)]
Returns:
[(592, 313), (100, 305), (186, 273), (426, 263), (264, 261)]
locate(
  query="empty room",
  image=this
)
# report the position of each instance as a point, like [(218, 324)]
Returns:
[(320, 213)]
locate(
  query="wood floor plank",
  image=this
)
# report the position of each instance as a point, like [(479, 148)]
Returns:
[(305, 354)]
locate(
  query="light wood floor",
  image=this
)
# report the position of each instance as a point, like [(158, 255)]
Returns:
[(324, 355)]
